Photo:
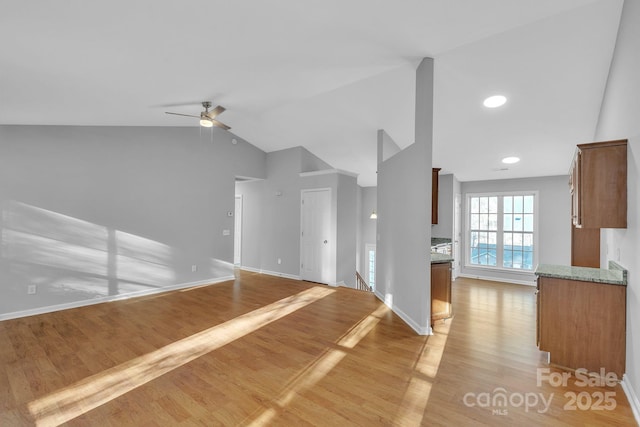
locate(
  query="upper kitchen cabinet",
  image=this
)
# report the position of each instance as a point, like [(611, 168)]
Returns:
[(598, 182)]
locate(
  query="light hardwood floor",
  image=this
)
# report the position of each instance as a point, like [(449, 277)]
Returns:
[(262, 350)]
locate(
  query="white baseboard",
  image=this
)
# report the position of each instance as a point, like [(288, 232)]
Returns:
[(278, 274), (379, 296), (632, 397), (420, 330), (498, 279), (251, 269), (99, 300), (271, 273)]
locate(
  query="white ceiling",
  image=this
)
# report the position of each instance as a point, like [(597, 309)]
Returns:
[(322, 74)]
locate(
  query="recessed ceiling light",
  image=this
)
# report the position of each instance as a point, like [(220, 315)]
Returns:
[(494, 101), (510, 160)]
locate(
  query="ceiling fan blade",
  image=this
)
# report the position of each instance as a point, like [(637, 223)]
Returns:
[(193, 103), (179, 114), (213, 113), (220, 124)]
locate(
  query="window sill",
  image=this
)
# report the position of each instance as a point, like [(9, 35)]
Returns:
[(500, 269)]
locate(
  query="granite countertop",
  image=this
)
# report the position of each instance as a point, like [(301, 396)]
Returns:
[(437, 258), (615, 275)]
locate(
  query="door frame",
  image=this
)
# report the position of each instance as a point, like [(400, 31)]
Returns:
[(237, 230), (457, 235)]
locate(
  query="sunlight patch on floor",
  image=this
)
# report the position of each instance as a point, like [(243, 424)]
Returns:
[(321, 366), (416, 396), (68, 403)]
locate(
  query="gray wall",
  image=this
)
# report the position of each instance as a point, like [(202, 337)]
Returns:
[(281, 213), (346, 232), (358, 228), (99, 213), (309, 162), (368, 201), (618, 120), (387, 147), (554, 235), (404, 216), (104, 212), (271, 215), (444, 227)]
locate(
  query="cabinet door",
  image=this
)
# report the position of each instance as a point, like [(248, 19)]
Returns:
[(585, 247), (582, 324), (602, 185), (538, 313), (440, 291)]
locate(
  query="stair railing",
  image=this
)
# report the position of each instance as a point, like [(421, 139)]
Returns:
[(361, 284)]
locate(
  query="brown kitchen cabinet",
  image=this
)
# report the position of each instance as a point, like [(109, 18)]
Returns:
[(435, 183), (585, 247), (440, 291), (598, 183), (582, 324)]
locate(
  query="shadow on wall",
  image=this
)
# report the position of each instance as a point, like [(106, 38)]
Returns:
[(66, 259)]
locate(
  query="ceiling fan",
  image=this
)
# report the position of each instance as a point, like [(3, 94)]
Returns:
[(207, 118)]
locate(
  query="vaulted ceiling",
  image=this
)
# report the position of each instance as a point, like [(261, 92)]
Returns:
[(322, 74)]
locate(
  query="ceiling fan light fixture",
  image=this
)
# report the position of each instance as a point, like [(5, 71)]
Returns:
[(207, 118), (206, 123)]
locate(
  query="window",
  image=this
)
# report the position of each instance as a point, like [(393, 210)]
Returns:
[(518, 232), (371, 264), (484, 230), (501, 230)]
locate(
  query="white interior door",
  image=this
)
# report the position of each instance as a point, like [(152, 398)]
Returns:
[(237, 232), (315, 239)]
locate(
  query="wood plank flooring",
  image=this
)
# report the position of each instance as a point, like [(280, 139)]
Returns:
[(263, 350)]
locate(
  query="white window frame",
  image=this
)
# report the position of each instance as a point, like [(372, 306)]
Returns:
[(500, 231)]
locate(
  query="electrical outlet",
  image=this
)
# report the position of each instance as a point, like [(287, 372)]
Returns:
[(32, 289), (226, 232), (194, 268), (279, 260)]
